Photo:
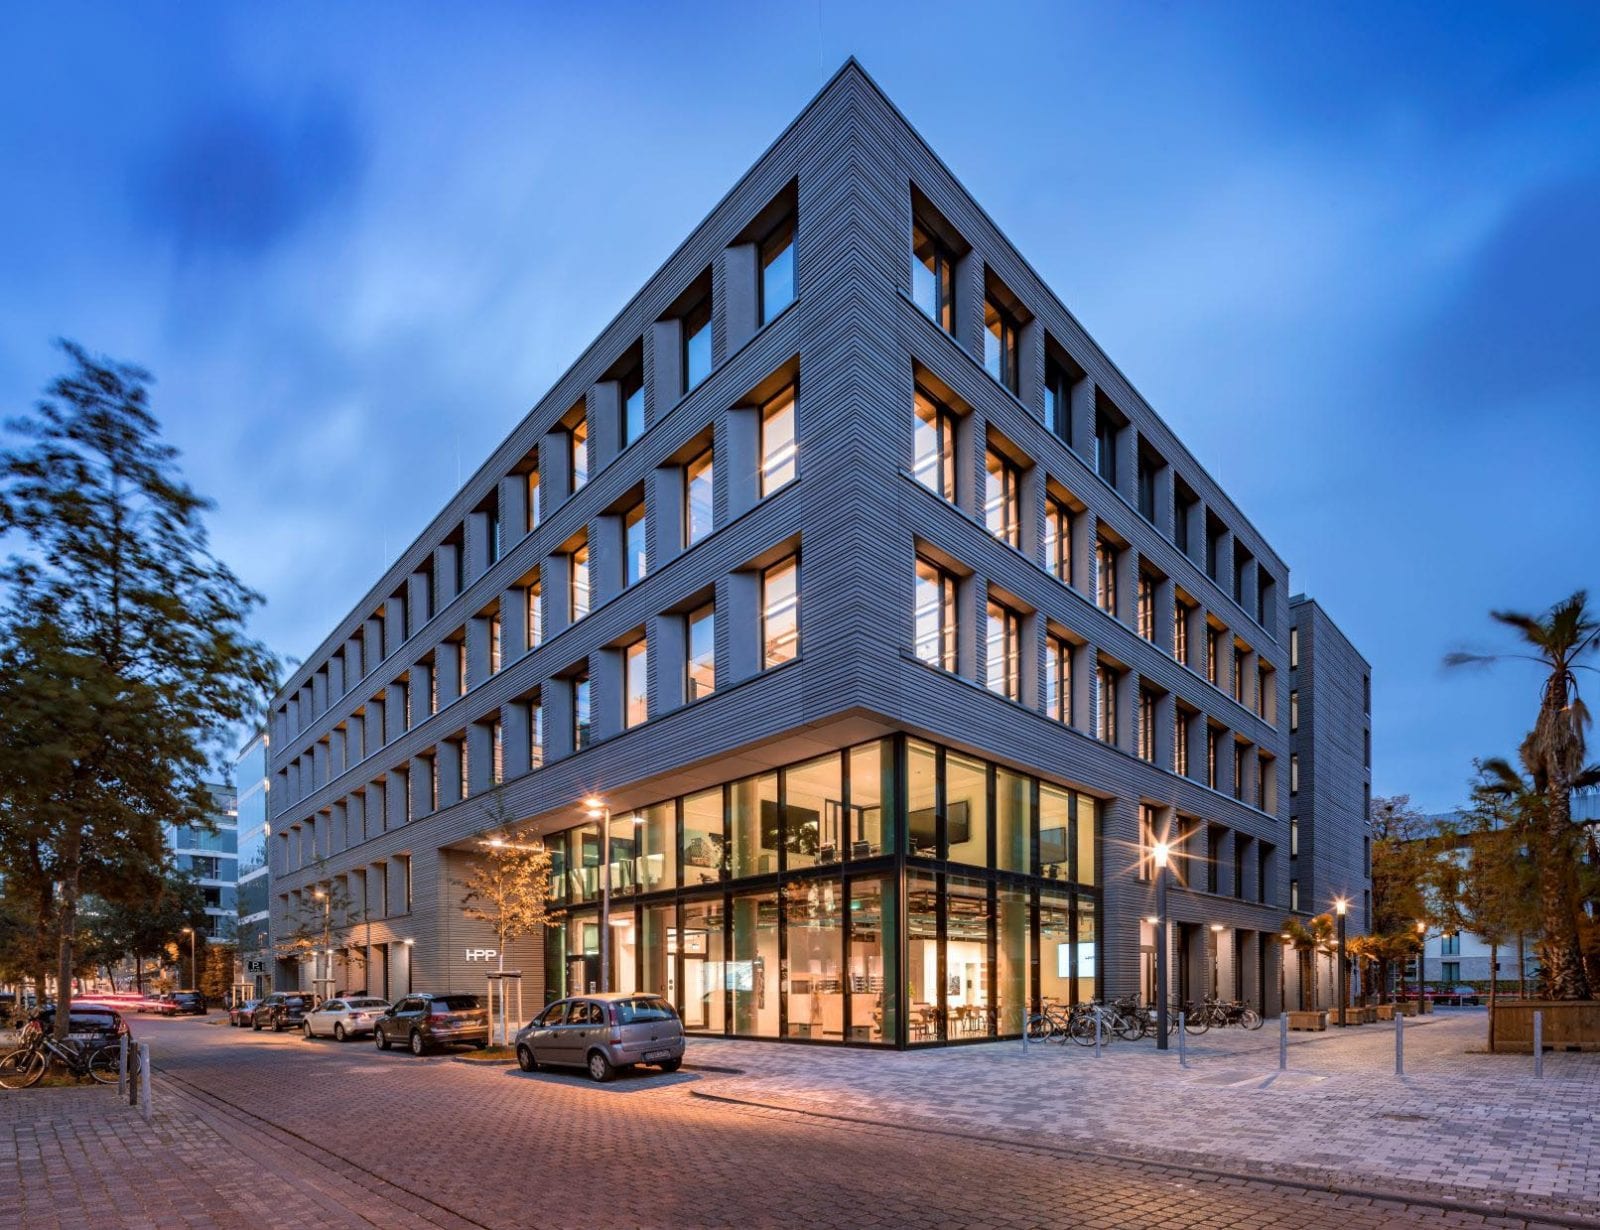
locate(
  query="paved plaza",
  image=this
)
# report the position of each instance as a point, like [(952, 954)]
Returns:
[(256, 1128)]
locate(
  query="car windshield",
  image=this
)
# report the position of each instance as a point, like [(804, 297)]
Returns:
[(295, 1001), (454, 1003), (644, 1008), (368, 1003)]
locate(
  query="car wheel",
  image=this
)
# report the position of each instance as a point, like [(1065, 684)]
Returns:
[(418, 1046), (277, 1025), (338, 1032), (256, 1025), (380, 1038), (600, 1068), (672, 1065), (525, 1060), (305, 1028)]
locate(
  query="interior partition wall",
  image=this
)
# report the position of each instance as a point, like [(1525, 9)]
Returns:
[(895, 893)]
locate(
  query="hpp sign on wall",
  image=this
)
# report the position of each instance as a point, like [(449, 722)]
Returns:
[(482, 954)]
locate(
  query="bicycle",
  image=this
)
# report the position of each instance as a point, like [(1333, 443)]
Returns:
[(1049, 1024), (25, 1066), (1112, 1024)]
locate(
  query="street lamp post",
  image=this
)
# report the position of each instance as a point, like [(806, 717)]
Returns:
[(1162, 854), (597, 810), (194, 977), (1340, 906), (327, 942), (1216, 953), (1422, 948)]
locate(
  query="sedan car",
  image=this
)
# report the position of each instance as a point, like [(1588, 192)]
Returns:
[(603, 1033), (192, 1003), (280, 1011), (87, 1021), (349, 1017), (423, 1022), (243, 1012)]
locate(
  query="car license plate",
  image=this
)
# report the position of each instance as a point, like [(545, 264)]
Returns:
[(656, 1056)]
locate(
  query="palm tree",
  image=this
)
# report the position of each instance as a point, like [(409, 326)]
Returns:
[(1554, 754), (1315, 935)]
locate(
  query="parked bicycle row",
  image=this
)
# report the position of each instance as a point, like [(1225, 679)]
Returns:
[(1130, 1021)]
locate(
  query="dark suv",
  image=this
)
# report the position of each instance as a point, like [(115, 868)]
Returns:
[(281, 1010), (191, 1003), (426, 1021)]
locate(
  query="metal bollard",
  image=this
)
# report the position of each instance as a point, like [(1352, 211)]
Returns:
[(1538, 1045), (1399, 1044), (122, 1065), (144, 1081), (1183, 1052), (1097, 1035), (1283, 1041)]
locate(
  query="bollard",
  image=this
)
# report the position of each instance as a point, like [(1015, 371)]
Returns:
[(144, 1081), (1283, 1041), (122, 1065), (1097, 1035), (1538, 1044), (1183, 1053), (1399, 1044)]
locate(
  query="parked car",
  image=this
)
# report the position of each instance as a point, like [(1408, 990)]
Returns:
[(603, 1033), (280, 1011), (349, 1017), (243, 1013), (87, 1020), (187, 1003), (423, 1022)]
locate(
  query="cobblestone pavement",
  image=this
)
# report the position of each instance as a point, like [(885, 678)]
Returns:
[(1460, 1124), (256, 1128)]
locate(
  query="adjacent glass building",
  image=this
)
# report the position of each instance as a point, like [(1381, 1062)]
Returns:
[(253, 892), (895, 892)]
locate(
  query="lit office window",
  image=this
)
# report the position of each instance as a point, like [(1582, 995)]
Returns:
[(1000, 344), (494, 644), (578, 441), (582, 728), (636, 683), (1002, 670), (1105, 678), (535, 735), (933, 277), (635, 551), (1105, 566), (699, 478), (780, 612), (696, 330), (497, 744), (702, 656), (777, 270), (934, 635), (578, 584), (532, 522), (1180, 631), (1180, 741), (1147, 606), (1002, 500), (1294, 711), (777, 442), (933, 454), (1058, 679), (1147, 725), (1058, 539), (535, 615)]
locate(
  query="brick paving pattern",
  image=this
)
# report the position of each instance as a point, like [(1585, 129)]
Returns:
[(254, 1129)]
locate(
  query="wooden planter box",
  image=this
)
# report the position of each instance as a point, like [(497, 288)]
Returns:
[(1386, 1011), (1568, 1025), (1308, 1020), (1353, 1015)]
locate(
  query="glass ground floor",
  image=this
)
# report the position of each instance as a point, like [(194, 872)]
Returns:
[(823, 912)]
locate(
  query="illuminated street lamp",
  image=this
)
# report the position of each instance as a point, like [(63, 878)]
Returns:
[(1340, 907), (1422, 947), (1162, 853), (194, 977)]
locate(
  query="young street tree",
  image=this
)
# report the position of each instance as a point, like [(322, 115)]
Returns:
[(1405, 868), (123, 656), (1562, 641)]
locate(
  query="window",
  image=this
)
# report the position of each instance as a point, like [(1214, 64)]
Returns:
[(1450, 945), (1002, 508), (1294, 894), (1240, 754), (1366, 749), (582, 728), (1366, 694), (636, 684), (777, 269), (1147, 725), (532, 521), (1147, 606), (933, 277), (535, 735), (1180, 631), (1058, 679), (777, 442), (1180, 740), (933, 454), (492, 516), (1002, 669), (461, 668), (1213, 749), (1105, 678), (1058, 399), (1058, 539), (494, 644), (696, 335), (1000, 344), (433, 688), (1214, 656), (1294, 711), (535, 628), (699, 480), (1105, 567), (780, 612), (1147, 840), (631, 391), (1266, 693), (578, 444), (1450, 971), (635, 550), (1294, 648), (1105, 446), (1294, 836), (1294, 773), (578, 583), (498, 750), (1183, 504), (702, 656), (934, 630), (1149, 468), (1366, 856), (1240, 653)]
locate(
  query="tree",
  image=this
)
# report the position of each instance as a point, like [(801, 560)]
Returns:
[(1560, 641), (148, 925), (1405, 868), (216, 971), (309, 930), (123, 656), (509, 889), (1315, 935)]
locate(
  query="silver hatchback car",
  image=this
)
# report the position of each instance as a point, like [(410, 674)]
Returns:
[(603, 1033)]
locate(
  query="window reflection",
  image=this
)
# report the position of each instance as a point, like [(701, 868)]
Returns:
[(814, 914)]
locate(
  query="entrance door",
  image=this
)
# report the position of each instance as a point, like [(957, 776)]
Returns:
[(583, 975)]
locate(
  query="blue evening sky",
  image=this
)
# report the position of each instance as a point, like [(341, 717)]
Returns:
[(1351, 253)]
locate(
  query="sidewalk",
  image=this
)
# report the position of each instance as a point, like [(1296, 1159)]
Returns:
[(1458, 1125)]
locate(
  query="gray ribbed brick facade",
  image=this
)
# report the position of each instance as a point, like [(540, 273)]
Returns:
[(366, 800)]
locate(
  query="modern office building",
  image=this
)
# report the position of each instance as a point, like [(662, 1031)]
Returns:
[(253, 976), (213, 858), (889, 623)]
